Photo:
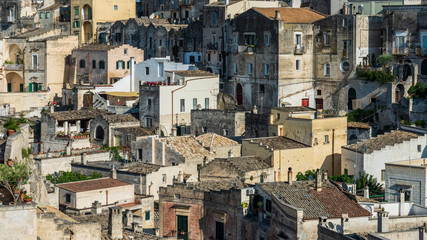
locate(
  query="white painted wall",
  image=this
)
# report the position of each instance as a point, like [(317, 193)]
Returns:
[(155, 179)]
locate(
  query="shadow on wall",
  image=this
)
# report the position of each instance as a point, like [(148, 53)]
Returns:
[(424, 154), (327, 164)]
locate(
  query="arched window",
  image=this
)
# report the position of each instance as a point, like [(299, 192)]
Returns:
[(327, 69), (82, 64), (99, 133), (120, 64), (101, 64)]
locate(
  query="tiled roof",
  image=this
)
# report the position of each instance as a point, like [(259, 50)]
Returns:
[(143, 168), (136, 131), (194, 73), (77, 114), (32, 33), (119, 118), (96, 47), (358, 125), (90, 185), (58, 214), (186, 145), (329, 202), (292, 15), (215, 140), (103, 219), (381, 141), (243, 164), (208, 186), (278, 143)]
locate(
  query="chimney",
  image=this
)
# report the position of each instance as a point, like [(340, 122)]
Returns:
[(230, 154), (422, 232), (52, 108), (84, 160), (318, 181), (132, 74), (68, 149), (96, 208), (113, 172), (290, 176), (383, 221), (173, 132), (401, 201), (366, 191), (325, 175), (344, 224), (115, 225), (277, 15), (128, 218)]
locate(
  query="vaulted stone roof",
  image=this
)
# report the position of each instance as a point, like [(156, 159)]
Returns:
[(329, 202), (186, 146), (381, 141), (215, 140), (143, 168), (208, 186), (278, 143)]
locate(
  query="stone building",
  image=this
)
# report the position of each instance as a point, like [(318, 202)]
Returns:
[(215, 16), (127, 135), (228, 123), (56, 15), (97, 64), (221, 146), (166, 107), (180, 11), (35, 61), (250, 169), (372, 154), (203, 210), (358, 131), (102, 127), (13, 12), (77, 197), (261, 69), (85, 15)]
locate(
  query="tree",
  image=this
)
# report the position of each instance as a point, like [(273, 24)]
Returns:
[(342, 178), (11, 177), (306, 175), (364, 179), (384, 60)]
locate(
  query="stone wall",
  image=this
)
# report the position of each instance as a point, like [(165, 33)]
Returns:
[(23, 101), (17, 142), (18, 222), (256, 125), (324, 233), (222, 122)]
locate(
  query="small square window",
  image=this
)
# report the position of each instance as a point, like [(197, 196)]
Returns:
[(204, 129), (319, 92), (419, 148), (147, 215), (147, 71), (149, 102), (116, 7), (125, 51), (163, 178), (68, 198), (226, 132), (326, 138)]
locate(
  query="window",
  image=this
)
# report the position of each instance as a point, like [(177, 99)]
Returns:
[(163, 178), (204, 129), (47, 15), (116, 7), (150, 42), (147, 215), (120, 65), (304, 102), (298, 39), (419, 148), (125, 51), (209, 57), (177, 196), (149, 122), (76, 24), (235, 37), (344, 22), (182, 105), (250, 69), (345, 171), (160, 69), (319, 92), (268, 205), (118, 37), (298, 64), (194, 103), (267, 40), (266, 68), (327, 39), (345, 66), (94, 64), (315, 141), (68, 198), (214, 19), (261, 88), (327, 69), (76, 11), (278, 116), (235, 67), (34, 61), (206, 103), (149, 102), (147, 71), (326, 138), (319, 103), (101, 64), (250, 39), (41, 15), (128, 64), (160, 42), (383, 175), (226, 132), (140, 154)]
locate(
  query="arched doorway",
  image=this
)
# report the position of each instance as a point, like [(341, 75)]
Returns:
[(424, 67), (15, 83), (15, 54), (88, 100), (87, 32), (351, 96), (399, 92), (239, 94), (99, 133)]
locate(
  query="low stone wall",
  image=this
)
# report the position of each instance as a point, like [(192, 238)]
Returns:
[(18, 222), (17, 142), (24, 101), (327, 234)]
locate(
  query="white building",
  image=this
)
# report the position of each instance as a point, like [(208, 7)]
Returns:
[(371, 155), (167, 105)]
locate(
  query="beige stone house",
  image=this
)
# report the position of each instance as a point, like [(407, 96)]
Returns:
[(97, 64)]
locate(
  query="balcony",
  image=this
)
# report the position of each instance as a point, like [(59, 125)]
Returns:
[(400, 50), (250, 50), (186, 2), (299, 50), (13, 67)]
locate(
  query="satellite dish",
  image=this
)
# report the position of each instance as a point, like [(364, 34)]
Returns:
[(310, 177), (360, 8)]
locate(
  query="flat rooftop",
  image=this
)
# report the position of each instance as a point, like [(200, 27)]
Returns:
[(420, 163)]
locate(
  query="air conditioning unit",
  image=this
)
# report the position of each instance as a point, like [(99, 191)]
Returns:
[(250, 192)]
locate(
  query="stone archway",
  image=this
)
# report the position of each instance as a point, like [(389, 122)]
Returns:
[(87, 12), (239, 94), (99, 133), (351, 96), (15, 54), (15, 83)]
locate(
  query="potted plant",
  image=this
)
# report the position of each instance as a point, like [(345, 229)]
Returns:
[(15, 190), (11, 126), (28, 198), (244, 204), (9, 162)]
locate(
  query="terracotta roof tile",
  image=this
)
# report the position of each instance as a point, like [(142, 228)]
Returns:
[(119, 118), (215, 140), (358, 125), (278, 142), (292, 15), (381, 141), (242, 164), (186, 145), (136, 131), (95, 184), (77, 114), (143, 168)]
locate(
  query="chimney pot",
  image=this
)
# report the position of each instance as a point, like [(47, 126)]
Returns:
[(290, 176), (277, 15), (318, 181)]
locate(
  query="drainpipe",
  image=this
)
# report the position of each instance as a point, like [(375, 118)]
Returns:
[(333, 159)]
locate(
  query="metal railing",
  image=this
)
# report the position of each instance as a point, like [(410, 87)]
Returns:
[(299, 49), (400, 51)]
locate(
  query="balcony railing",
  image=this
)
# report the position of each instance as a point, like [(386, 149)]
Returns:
[(299, 50), (13, 67), (400, 51)]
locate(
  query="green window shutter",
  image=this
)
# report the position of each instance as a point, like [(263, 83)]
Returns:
[(117, 65), (147, 216), (128, 64), (30, 88), (40, 87)]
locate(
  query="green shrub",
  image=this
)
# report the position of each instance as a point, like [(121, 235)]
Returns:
[(380, 76), (384, 60)]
